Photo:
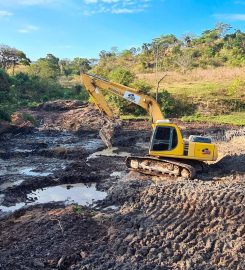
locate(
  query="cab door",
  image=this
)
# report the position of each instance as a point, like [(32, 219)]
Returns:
[(166, 141)]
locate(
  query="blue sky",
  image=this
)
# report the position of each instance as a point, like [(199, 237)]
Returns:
[(70, 28)]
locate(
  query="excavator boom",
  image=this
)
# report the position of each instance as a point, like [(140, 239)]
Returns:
[(94, 84)]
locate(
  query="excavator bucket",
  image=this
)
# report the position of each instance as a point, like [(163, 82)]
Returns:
[(107, 132)]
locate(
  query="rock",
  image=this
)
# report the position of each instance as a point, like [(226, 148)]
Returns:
[(160, 256), (38, 263), (83, 254), (144, 250)]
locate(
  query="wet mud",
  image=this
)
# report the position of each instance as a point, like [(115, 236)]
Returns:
[(67, 202)]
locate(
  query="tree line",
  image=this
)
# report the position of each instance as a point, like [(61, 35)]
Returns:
[(221, 46), (26, 83)]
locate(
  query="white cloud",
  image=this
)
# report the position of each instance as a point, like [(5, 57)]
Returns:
[(4, 13), (124, 11), (91, 7), (28, 28), (231, 16)]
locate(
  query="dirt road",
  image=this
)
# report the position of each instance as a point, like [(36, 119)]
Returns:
[(113, 218)]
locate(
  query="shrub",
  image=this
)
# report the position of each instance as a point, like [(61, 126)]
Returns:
[(30, 118), (175, 107), (121, 75), (4, 86), (5, 115)]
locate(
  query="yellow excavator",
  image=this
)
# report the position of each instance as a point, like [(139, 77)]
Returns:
[(169, 153)]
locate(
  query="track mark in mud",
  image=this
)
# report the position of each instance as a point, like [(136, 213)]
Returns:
[(179, 225)]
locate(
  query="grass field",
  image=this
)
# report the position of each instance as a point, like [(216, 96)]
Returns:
[(236, 118), (205, 85), (202, 83)]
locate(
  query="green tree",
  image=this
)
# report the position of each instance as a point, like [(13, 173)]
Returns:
[(11, 57), (47, 68), (79, 65), (122, 76)]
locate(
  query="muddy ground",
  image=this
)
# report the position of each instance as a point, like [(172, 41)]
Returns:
[(113, 218)]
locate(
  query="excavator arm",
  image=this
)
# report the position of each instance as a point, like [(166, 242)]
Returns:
[(94, 85)]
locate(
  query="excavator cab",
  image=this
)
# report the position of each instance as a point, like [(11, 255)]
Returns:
[(167, 141), (165, 138)]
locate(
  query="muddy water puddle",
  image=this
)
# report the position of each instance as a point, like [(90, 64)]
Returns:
[(9, 184), (89, 145), (32, 172), (82, 194), (17, 171), (109, 152), (71, 141), (34, 166)]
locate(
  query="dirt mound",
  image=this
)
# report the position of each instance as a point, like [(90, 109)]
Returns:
[(8, 128), (19, 120), (60, 105), (41, 236), (67, 116), (5, 127), (183, 225)]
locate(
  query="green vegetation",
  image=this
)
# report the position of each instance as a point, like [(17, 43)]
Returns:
[(38, 84), (236, 118), (215, 47), (201, 67), (21, 90)]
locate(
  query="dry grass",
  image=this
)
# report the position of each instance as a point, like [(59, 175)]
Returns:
[(218, 75), (206, 84)]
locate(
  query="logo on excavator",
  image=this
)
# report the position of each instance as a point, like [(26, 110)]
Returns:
[(205, 151), (132, 97)]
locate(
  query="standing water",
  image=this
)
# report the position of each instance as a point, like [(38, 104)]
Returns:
[(81, 194)]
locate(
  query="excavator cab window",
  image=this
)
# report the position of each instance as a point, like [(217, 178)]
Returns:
[(164, 138)]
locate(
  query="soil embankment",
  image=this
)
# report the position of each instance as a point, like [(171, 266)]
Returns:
[(143, 223)]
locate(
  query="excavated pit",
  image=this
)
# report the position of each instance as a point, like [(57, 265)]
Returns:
[(67, 202)]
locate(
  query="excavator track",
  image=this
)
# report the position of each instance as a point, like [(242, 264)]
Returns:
[(158, 167)]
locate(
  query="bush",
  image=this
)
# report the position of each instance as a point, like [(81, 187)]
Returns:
[(72, 93), (122, 76), (175, 107), (30, 118), (4, 85), (166, 102), (5, 115), (141, 86)]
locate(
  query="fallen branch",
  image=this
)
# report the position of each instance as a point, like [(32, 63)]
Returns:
[(59, 223)]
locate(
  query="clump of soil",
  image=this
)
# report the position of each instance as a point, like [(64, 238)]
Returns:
[(39, 237), (67, 115), (18, 119)]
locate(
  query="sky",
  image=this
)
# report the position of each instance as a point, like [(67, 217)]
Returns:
[(83, 28)]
